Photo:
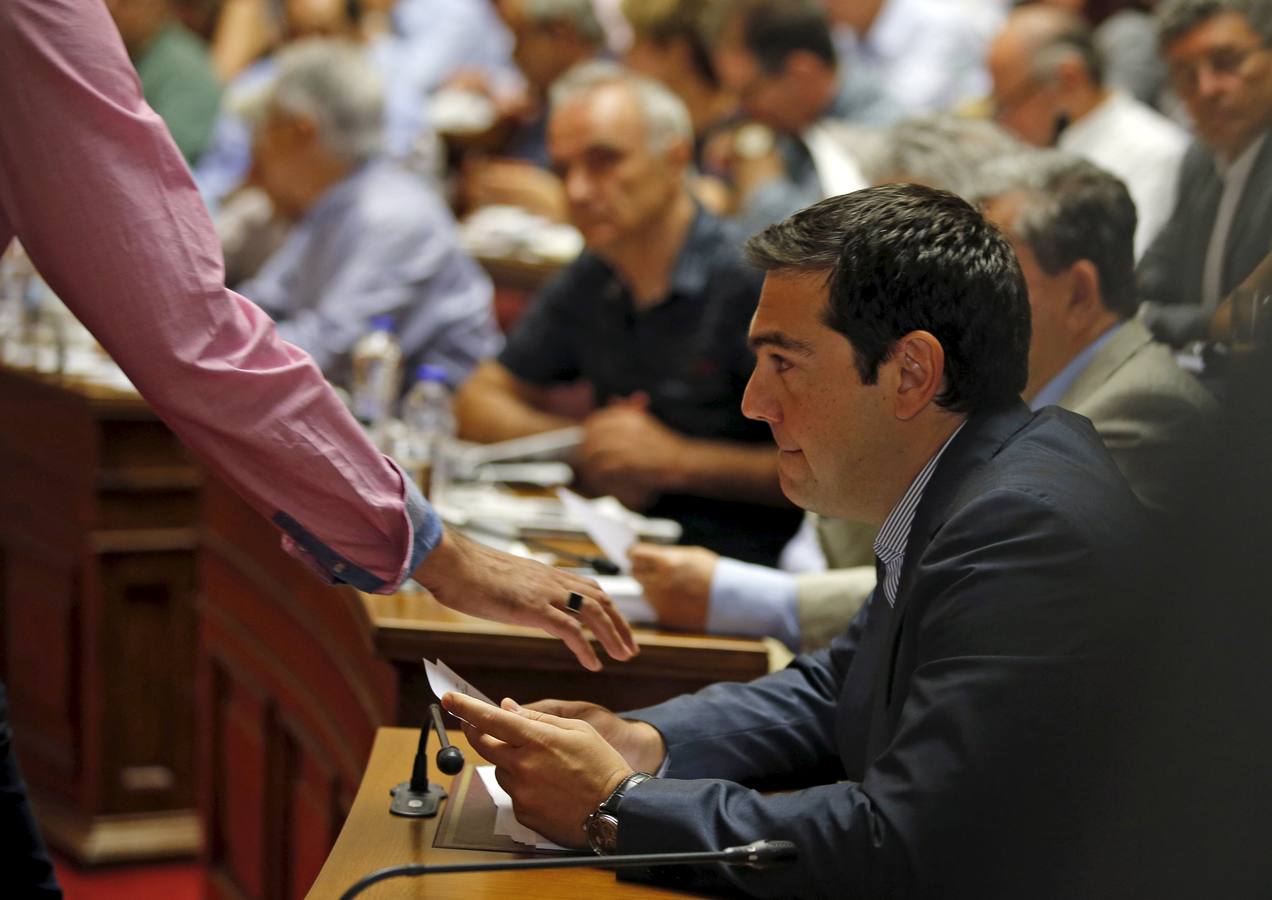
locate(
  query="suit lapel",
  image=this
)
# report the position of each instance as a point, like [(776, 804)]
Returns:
[(981, 438), (1130, 337), (1251, 235)]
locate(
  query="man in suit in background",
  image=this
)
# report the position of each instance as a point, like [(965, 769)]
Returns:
[(957, 738), (1071, 223), (1220, 58), (1072, 226)]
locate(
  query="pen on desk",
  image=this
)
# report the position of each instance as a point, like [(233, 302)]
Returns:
[(599, 564)]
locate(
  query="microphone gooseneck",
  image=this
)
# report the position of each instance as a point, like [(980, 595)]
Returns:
[(757, 855)]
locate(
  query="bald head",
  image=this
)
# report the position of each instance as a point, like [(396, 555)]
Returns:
[(1045, 70)]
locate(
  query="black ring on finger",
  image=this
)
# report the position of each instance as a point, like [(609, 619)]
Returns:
[(575, 602)]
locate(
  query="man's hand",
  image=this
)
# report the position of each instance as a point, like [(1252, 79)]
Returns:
[(640, 743), (628, 453), (556, 770), (677, 583), (510, 182), (481, 581)]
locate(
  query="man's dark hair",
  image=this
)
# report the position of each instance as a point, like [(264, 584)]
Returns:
[(1071, 209), (774, 29), (901, 258), (1175, 18)]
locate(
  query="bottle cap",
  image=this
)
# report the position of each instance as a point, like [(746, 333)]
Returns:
[(431, 373), (382, 323)]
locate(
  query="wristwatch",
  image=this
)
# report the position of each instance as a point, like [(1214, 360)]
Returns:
[(601, 825)]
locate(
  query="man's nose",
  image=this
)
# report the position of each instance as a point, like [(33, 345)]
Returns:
[(757, 400)]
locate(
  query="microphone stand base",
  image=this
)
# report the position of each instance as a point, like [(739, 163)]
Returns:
[(416, 804)]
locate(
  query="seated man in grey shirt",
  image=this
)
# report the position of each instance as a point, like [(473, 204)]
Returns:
[(370, 238), (1072, 226)]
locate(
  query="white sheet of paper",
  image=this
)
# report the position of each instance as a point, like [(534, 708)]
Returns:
[(441, 678), (506, 822), (614, 536)]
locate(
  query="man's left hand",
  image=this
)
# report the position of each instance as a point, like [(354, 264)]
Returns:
[(556, 770), (625, 450)]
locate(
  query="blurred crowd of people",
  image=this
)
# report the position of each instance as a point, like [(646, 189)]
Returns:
[(1121, 145)]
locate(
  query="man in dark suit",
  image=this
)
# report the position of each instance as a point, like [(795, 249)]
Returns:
[(954, 741), (1220, 58)]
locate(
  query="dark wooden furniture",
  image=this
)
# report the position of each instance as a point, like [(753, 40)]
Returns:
[(296, 676), (98, 505), (372, 839)]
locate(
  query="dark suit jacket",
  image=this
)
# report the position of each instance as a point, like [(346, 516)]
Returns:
[(942, 737), (1170, 274)]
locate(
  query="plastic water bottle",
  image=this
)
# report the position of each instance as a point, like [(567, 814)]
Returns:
[(429, 416), (377, 373)]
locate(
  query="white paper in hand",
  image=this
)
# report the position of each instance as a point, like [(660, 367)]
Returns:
[(506, 823), (614, 536), (442, 679)]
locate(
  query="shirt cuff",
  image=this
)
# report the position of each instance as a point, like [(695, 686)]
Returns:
[(754, 600), (426, 534)]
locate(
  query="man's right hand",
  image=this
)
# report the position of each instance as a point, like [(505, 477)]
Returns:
[(640, 743), (485, 582)]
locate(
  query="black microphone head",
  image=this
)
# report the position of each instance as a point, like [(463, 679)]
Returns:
[(450, 760), (762, 854)]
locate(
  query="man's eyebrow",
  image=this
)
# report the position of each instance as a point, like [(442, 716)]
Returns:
[(782, 341)]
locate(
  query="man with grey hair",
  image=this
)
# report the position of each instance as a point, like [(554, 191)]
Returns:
[(369, 238), (652, 318), (1071, 223), (1049, 90), (1219, 54)]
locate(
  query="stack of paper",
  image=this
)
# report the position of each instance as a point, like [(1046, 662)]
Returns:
[(506, 823)]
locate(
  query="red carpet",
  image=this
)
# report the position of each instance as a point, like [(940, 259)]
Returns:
[(166, 881)]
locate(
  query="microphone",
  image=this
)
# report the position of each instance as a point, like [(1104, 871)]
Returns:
[(417, 798), (757, 855)]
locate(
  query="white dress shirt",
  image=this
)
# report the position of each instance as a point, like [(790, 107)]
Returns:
[(1138, 145), (1234, 178)]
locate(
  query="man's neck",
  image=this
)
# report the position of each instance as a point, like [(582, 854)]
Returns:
[(918, 452), (321, 177), (1088, 101), (1038, 380), (139, 43), (1230, 159), (645, 262)]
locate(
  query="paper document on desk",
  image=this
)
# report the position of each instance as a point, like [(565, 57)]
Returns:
[(613, 535), (442, 679), (506, 823), (629, 597)]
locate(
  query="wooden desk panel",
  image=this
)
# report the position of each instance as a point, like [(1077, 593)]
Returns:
[(373, 839), (98, 503), (296, 676)]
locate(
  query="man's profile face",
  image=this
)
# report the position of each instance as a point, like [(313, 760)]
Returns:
[(616, 185), (1048, 300), (764, 96), (1222, 71), (831, 430)]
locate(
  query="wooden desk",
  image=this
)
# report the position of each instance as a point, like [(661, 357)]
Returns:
[(98, 506), (296, 676), (373, 839)]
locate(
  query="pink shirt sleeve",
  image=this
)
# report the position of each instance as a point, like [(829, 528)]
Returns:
[(96, 190)]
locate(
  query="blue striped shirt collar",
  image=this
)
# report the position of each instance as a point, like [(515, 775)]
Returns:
[(890, 543)]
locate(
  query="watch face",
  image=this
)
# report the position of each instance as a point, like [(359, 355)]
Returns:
[(602, 832)]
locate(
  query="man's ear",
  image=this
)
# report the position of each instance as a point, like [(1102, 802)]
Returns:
[(1085, 301), (919, 359)]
